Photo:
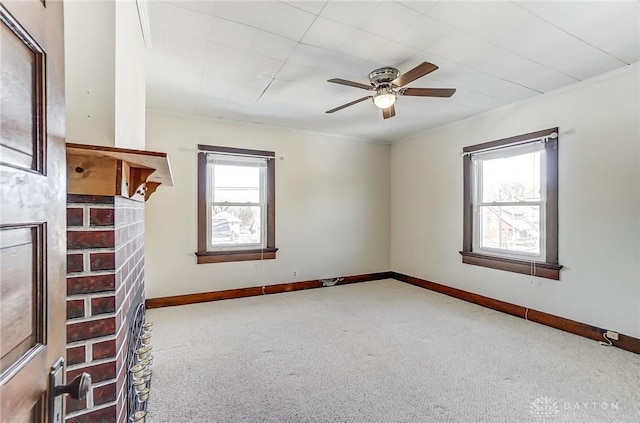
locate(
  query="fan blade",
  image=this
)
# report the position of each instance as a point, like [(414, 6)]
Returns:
[(419, 71), (350, 83), (428, 92), (389, 112), (348, 104)]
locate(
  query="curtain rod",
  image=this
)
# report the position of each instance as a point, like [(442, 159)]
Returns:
[(543, 139), (222, 153)]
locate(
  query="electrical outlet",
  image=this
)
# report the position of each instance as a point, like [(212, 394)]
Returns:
[(295, 274), (612, 335)]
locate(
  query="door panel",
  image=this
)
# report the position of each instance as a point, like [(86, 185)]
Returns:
[(21, 287), (22, 102), (33, 204)]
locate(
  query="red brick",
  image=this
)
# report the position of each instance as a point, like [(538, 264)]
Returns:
[(92, 329), (75, 405), (102, 261), (103, 305), (75, 217), (101, 217), (104, 415), (89, 239), (90, 284), (104, 349), (89, 199), (104, 394), (75, 309), (98, 372), (74, 263), (75, 355)]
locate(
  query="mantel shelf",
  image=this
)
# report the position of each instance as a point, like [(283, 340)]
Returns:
[(102, 170)]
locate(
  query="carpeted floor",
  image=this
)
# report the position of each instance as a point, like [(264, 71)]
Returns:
[(381, 351)]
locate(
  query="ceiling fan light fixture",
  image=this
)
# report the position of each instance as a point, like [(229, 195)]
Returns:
[(384, 99)]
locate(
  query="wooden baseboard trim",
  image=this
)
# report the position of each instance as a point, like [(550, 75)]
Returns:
[(256, 290), (625, 342)]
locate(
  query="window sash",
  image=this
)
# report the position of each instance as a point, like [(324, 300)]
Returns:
[(219, 159), (507, 152)]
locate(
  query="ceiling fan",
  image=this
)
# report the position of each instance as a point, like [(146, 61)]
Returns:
[(387, 84)]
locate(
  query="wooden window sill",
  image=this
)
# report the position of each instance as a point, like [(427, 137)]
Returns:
[(539, 269), (240, 255)]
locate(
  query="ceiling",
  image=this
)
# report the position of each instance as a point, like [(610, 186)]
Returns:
[(268, 62)]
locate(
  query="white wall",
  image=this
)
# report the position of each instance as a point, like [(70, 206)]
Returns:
[(599, 203), (89, 44), (129, 77), (332, 208), (104, 75)]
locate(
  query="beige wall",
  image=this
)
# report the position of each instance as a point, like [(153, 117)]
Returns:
[(104, 75), (599, 203), (130, 78), (332, 208), (89, 44)]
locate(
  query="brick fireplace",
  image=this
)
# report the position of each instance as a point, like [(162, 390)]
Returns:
[(105, 280), (105, 276)]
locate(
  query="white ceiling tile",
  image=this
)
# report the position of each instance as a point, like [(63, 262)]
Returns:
[(184, 45), (457, 76), (532, 36), (158, 62), (178, 20), (221, 107), (309, 5), (232, 34), (298, 21), (214, 87), (285, 98), (420, 6), (351, 13), (222, 54), (451, 44), (496, 61), (340, 65), (476, 101), (247, 88), (219, 71), (335, 36), (206, 7), (272, 45), (326, 34), (394, 54), (303, 73), (423, 32), (261, 65), (388, 19), (243, 62), (612, 26), (478, 18), (246, 12), (361, 44)]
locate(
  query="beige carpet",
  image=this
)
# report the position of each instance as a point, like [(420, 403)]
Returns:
[(381, 351)]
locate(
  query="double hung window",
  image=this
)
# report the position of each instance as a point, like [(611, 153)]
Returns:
[(511, 204), (236, 205)]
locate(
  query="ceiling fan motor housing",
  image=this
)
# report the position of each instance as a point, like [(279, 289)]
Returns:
[(383, 76)]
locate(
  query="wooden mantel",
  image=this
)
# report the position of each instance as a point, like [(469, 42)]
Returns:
[(101, 170)]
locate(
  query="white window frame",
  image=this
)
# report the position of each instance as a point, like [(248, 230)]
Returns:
[(507, 152), (214, 159)]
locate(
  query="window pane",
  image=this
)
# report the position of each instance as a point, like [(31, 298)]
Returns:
[(510, 228), (515, 178), (236, 184), (236, 226)]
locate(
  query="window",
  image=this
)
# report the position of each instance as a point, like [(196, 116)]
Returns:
[(511, 204), (236, 204)]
